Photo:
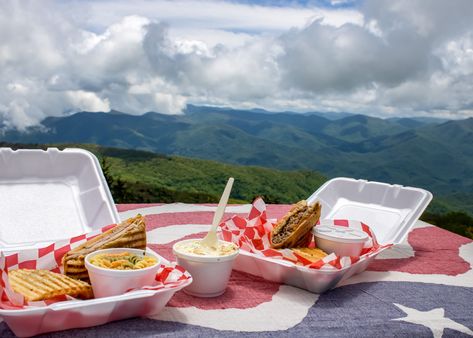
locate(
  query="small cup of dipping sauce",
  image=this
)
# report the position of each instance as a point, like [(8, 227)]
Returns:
[(343, 241), (210, 267)]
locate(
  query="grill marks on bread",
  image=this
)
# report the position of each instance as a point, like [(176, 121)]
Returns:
[(37, 285)]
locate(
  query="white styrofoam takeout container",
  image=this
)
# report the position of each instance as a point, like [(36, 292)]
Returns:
[(389, 210), (86, 313), (50, 195)]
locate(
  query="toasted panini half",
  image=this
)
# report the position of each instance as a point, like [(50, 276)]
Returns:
[(311, 254), (294, 229), (131, 233), (37, 285)]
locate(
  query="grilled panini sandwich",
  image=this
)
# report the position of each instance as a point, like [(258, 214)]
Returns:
[(43, 284), (129, 234), (294, 229)]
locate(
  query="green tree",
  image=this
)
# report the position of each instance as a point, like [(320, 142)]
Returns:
[(458, 222), (118, 187)]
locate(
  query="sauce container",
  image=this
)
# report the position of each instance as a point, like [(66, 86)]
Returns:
[(342, 241)]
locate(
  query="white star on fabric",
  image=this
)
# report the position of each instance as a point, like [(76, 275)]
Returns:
[(434, 319)]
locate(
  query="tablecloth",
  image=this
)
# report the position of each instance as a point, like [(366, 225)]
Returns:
[(422, 287)]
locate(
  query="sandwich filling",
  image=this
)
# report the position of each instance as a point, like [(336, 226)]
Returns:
[(290, 225), (294, 229)]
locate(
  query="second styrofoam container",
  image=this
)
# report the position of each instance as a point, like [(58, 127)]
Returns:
[(389, 210)]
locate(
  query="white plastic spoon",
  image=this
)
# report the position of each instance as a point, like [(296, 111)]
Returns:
[(211, 239)]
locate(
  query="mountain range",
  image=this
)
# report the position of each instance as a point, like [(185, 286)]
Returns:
[(433, 154)]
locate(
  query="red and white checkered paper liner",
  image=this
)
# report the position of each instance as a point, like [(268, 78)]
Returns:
[(252, 234), (169, 276)]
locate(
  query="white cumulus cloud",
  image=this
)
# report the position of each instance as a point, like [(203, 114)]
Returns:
[(384, 58)]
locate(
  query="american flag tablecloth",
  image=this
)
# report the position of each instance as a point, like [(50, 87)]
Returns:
[(422, 288)]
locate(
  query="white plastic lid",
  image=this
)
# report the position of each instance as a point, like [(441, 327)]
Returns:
[(340, 234)]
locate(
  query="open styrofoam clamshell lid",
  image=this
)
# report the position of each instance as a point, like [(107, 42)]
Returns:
[(389, 210), (49, 195)]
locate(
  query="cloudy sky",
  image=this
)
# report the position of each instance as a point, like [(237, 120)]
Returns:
[(382, 58)]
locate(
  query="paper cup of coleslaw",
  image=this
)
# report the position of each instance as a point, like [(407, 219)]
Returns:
[(210, 271), (112, 273)]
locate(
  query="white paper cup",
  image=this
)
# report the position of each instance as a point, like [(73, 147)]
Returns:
[(210, 274), (111, 282)]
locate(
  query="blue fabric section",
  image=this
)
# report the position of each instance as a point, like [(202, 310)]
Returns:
[(361, 310)]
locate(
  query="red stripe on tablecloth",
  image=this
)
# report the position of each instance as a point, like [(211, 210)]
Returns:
[(195, 217), (127, 207), (436, 252), (244, 291), (273, 210)]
